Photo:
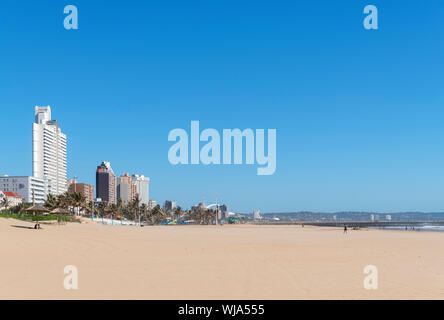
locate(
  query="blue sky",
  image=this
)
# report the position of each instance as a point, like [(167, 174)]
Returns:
[(359, 114)]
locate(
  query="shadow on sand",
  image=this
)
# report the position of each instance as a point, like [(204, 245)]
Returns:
[(23, 227)]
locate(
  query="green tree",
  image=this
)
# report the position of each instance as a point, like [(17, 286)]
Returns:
[(178, 212), (5, 203)]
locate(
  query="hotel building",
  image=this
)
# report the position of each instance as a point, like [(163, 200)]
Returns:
[(126, 188), (143, 187), (49, 151), (106, 183)]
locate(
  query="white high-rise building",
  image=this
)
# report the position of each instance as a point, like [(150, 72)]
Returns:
[(49, 151), (143, 187)]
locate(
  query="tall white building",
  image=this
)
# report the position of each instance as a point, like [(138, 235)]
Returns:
[(143, 187), (49, 151)]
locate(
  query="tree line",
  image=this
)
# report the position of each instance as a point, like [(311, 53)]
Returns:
[(134, 210), (77, 204)]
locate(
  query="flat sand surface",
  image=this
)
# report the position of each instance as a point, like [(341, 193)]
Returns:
[(217, 262)]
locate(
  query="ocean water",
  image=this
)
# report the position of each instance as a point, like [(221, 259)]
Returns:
[(426, 228)]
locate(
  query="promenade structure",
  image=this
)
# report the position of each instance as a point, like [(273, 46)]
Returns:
[(106, 183), (49, 151)]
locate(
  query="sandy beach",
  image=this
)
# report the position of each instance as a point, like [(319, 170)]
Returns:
[(217, 262)]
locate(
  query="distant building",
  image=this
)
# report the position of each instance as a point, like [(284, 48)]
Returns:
[(201, 205), (126, 188), (84, 189), (256, 215), (106, 183), (12, 198), (30, 188), (169, 206), (224, 212), (151, 204), (49, 151), (142, 186)]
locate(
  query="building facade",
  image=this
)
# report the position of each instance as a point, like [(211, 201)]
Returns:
[(12, 198), (84, 189), (223, 212), (143, 187), (106, 183), (126, 188), (49, 151), (169, 206), (30, 188)]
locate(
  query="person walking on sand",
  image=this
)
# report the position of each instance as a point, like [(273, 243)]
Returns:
[(345, 228)]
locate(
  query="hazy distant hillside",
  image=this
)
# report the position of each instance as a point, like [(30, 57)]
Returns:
[(354, 216)]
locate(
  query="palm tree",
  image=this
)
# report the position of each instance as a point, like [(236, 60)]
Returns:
[(5, 203), (19, 208), (51, 202), (64, 201), (119, 208), (178, 212), (143, 211), (76, 200), (103, 209), (135, 207), (112, 212), (157, 214), (91, 208)]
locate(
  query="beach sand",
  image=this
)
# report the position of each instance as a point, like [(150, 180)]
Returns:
[(217, 262)]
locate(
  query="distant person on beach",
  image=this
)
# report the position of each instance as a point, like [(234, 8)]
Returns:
[(345, 228)]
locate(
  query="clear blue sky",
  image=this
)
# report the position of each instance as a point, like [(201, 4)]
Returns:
[(359, 114)]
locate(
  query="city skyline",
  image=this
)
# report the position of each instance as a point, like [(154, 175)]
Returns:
[(357, 111)]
